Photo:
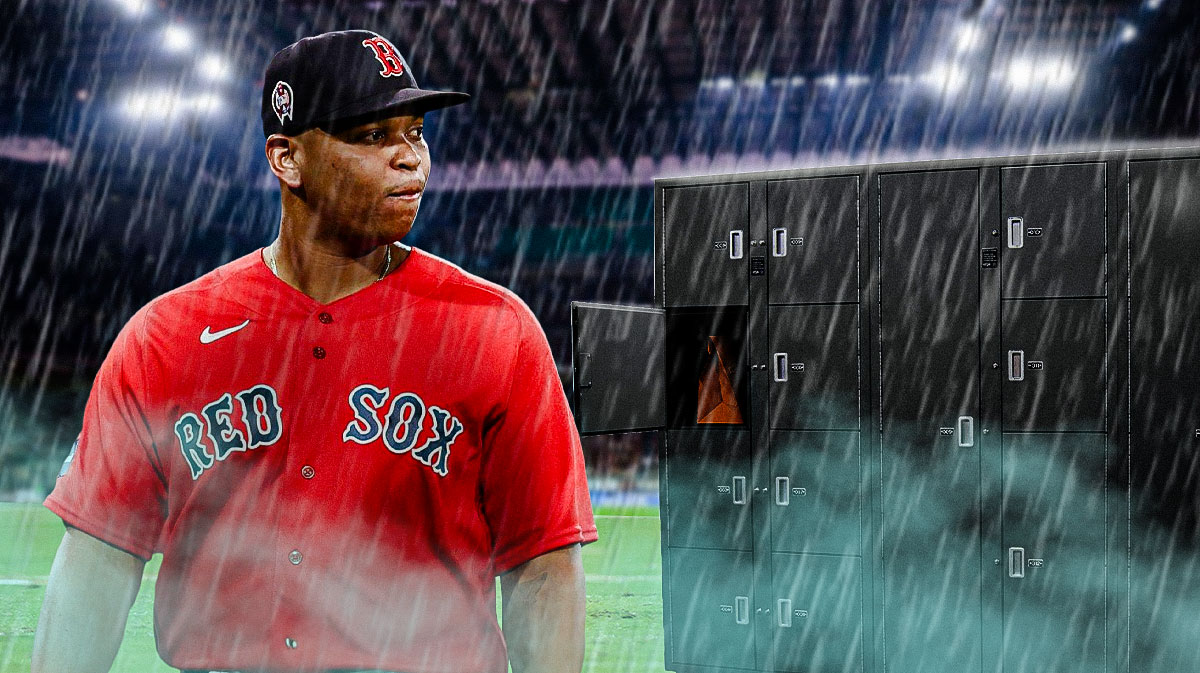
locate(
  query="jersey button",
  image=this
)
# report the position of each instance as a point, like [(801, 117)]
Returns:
[(295, 557), (325, 318), (307, 472), (290, 643), (318, 353)]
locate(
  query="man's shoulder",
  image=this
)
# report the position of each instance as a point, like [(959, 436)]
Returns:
[(461, 287), (199, 296)]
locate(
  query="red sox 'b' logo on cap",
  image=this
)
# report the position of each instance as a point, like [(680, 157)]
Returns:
[(386, 54), (281, 101)]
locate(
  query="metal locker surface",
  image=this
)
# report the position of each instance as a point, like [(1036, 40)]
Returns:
[(813, 353), (816, 613), (708, 495), (812, 227), (618, 370), (929, 375), (1052, 230), (815, 492), (706, 244), (1053, 356), (1053, 553), (712, 609), (1164, 448)]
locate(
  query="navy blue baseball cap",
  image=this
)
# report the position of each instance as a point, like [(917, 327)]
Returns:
[(347, 75)]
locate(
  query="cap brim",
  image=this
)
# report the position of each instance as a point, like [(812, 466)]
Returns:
[(390, 104)]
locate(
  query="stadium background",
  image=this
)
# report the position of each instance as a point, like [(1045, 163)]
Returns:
[(131, 162)]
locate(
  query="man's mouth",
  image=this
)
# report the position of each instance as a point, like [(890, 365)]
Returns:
[(407, 194)]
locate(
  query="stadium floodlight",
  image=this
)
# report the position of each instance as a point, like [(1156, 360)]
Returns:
[(213, 67), (969, 36), (156, 106), (1026, 74), (857, 80), (829, 81), (797, 80), (134, 8), (1153, 4), (724, 83), (945, 77), (176, 38), (1129, 33)]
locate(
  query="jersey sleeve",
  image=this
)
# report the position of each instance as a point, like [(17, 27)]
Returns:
[(111, 486), (534, 488)]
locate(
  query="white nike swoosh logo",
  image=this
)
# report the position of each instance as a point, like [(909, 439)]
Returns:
[(207, 337)]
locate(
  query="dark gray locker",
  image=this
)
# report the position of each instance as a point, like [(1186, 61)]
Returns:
[(816, 614), (1053, 362), (929, 374), (814, 367), (617, 352), (1053, 230), (1164, 447), (706, 244), (813, 240), (712, 609), (1053, 552), (708, 497), (816, 492)]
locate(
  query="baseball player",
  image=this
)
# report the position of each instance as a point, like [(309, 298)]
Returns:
[(336, 442)]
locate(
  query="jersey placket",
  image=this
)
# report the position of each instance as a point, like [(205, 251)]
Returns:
[(296, 546)]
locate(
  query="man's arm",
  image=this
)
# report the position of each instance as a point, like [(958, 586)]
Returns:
[(543, 613), (91, 588)]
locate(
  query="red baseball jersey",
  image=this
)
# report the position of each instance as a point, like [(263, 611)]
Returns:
[(331, 485)]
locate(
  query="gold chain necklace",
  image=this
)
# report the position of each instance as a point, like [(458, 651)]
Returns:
[(387, 263)]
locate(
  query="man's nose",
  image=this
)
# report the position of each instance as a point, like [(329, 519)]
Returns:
[(406, 155)]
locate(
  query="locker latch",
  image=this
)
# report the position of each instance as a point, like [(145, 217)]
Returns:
[(1016, 232), (735, 244), (1016, 365), (741, 609), (1016, 561), (966, 431), (784, 610), (739, 490), (781, 367), (779, 242), (783, 491)]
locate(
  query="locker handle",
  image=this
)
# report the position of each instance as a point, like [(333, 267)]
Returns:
[(784, 610), (779, 242), (966, 431), (1016, 232), (735, 244), (1016, 561), (741, 609), (783, 491), (781, 367), (739, 490), (1016, 365)]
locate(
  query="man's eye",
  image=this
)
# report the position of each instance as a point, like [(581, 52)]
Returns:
[(374, 135), (417, 132)]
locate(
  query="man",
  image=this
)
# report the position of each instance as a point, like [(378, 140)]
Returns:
[(336, 442)]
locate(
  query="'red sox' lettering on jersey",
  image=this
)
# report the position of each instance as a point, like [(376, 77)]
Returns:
[(401, 426)]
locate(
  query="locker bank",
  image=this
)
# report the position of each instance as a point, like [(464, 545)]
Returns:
[(920, 418)]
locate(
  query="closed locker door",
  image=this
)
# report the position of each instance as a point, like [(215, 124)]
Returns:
[(1054, 364), (1053, 230), (814, 367), (815, 613), (813, 239), (711, 607), (706, 242), (1053, 552), (929, 375), (708, 503), (1164, 447), (816, 492)]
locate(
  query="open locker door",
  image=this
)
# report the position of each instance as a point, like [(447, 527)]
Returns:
[(618, 374)]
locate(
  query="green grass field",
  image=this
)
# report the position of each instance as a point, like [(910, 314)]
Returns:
[(624, 593)]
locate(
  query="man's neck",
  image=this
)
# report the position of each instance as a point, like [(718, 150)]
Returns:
[(327, 274)]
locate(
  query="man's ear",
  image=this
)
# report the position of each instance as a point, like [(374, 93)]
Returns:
[(284, 156)]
